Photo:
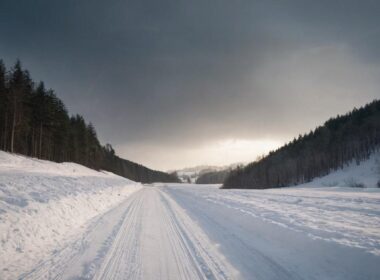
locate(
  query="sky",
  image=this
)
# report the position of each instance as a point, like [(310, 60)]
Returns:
[(177, 83)]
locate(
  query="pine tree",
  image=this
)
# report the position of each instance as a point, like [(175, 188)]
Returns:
[(4, 105), (20, 87)]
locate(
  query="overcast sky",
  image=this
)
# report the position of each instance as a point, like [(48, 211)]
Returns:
[(177, 83)]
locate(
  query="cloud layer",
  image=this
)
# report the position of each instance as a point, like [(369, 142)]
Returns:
[(166, 82)]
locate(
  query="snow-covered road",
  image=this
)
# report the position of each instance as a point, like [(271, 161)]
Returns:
[(201, 232), (147, 237)]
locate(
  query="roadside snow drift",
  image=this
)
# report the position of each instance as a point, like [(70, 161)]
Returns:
[(43, 204)]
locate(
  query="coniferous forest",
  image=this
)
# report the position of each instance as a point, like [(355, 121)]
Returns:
[(341, 140), (35, 122)]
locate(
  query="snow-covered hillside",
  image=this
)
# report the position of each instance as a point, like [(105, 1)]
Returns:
[(191, 174), (43, 204), (363, 175)]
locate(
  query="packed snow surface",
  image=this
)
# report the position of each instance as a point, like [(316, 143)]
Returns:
[(318, 230), (294, 233)]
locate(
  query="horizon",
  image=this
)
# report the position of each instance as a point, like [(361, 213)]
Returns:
[(180, 84)]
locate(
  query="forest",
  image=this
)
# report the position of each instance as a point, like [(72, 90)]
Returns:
[(35, 122), (341, 140)]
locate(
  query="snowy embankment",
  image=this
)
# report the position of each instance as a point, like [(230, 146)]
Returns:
[(44, 204)]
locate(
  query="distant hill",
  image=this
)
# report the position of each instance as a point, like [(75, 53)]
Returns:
[(213, 177), (191, 174), (353, 136), (35, 122)]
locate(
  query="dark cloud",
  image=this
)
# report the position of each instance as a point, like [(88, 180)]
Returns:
[(160, 77)]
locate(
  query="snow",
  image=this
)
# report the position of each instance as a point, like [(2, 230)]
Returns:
[(325, 229), (290, 233), (161, 242), (148, 236), (64, 221), (367, 173), (44, 204)]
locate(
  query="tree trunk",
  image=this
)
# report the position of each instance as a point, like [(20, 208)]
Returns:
[(5, 131), (13, 129), (40, 144)]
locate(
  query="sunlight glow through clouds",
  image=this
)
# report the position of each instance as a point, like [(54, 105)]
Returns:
[(221, 153), (239, 150)]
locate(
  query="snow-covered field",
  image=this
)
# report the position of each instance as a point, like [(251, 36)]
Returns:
[(325, 229), (64, 221), (296, 233)]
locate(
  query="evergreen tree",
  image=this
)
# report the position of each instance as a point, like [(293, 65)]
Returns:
[(20, 87), (4, 105), (35, 122)]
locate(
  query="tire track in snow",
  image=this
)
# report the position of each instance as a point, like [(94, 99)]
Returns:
[(209, 262), (159, 241), (148, 236), (123, 259)]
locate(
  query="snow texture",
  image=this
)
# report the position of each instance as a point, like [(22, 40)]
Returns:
[(64, 221)]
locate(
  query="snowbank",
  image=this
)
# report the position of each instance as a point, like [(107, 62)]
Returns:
[(43, 204)]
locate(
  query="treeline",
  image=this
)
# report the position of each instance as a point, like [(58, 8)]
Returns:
[(213, 177), (339, 141), (35, 122), (132, 170)]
